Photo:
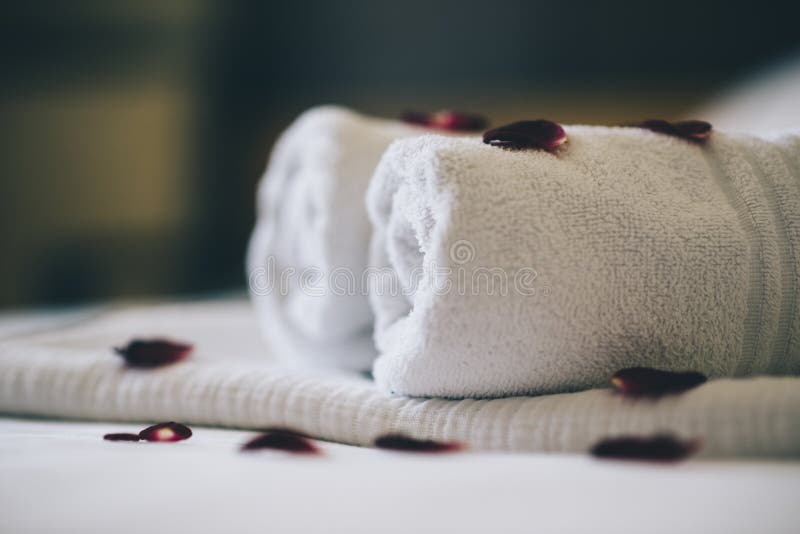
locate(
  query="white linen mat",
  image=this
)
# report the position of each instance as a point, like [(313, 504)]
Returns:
[(70, 371)]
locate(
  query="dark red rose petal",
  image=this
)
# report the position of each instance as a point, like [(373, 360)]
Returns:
[(122, 436), (696, 130), (646, 382), (661, 448), (420, 118), (153, 352), (691, 130), (398, 442), (658, 126), (283, 440), (538, 134), (166, 432), (456, 121)]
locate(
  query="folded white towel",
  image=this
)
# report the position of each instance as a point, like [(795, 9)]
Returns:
[(764, 102), (69, 370), (308, 252), (510, 272)]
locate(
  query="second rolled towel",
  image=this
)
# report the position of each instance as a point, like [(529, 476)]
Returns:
[(524, 272), (307, 258), (308, 251)]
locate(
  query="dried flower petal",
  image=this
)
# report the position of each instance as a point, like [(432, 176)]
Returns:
[(541, 134), (153, 352), (420, 118), (166, 432), (459, 121), (658, 126), (663, 448), (399, 442), (122, 436), (456, 121), (691, 130), (283, 440), (646, 382)]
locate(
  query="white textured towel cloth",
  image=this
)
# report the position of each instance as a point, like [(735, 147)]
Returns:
[(765, 102), (308, 252), (69, 370), (518, 272)]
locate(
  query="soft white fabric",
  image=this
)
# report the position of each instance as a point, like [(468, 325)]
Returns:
[(767, 101), (70, 371), (61, 477), (526, 272), (308, 251)]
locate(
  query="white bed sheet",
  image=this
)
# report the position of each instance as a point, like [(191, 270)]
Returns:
[(62, 477)]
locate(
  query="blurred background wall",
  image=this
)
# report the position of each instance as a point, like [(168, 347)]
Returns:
[(134, 132)]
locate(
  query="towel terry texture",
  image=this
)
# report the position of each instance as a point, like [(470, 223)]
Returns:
[(765, 102), (525, 272), (308, 252), (69, 370)]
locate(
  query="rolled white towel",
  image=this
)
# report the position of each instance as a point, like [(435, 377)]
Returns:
[(766, 101), (308, 253), (311, 225), (525, 272)]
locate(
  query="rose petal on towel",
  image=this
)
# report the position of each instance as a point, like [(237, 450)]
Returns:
[(646, 382), (658, 126), (541, 134), (456, 121), (171, 431), (399, 442), (692, 130), (283, 440), (661, 448), (150, 353), (122, 436), (421, 118)]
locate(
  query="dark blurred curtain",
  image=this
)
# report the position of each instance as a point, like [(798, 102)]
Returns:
[(135, 132)]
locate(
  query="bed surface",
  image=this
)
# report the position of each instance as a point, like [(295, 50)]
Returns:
[(62, 477)]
